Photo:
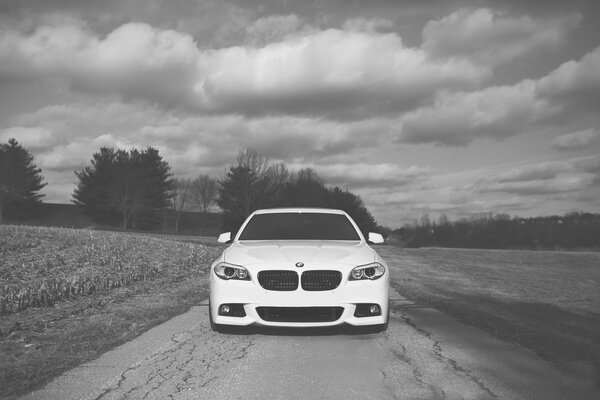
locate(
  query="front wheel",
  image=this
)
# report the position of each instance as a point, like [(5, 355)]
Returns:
[(215, 327), (381, 327)]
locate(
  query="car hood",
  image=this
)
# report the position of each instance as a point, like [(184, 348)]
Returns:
[(282, 254)]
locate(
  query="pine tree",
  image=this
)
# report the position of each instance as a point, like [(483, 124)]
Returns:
[(305, 189), (354, 206), (20, 180), (130, 184), (92, 191), (241, 192)]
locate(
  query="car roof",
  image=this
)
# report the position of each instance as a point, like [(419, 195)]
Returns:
[(299, 210)]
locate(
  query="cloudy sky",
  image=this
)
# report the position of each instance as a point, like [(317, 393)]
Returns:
[(419, 106)]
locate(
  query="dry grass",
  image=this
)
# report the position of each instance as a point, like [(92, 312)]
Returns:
[(39, 340), (547, 301), (40, 266)]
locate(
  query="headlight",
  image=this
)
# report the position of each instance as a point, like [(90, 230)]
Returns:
[(230, 271), (370, 271)]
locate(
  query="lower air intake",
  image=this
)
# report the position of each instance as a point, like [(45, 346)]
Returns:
[(300, 314)]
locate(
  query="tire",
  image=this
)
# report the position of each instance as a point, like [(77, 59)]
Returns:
[(215, 327), (387, 321), (381, 327)]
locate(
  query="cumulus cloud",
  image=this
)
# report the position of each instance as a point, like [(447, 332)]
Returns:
[(563, 184), (361, 174), (545, 178), (74, 155), (368, 24), (279, 137), (591, 166), (534, 172), (64, 123), (309, 73), (507, 189), (190, 141), (440, 194), (274, 28), (576, 82), (32, 138), (577, 140), (328, 69), (458, 118), (134, 60), (313, 91), (490, 37)]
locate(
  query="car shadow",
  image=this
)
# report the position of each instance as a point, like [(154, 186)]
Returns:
[(342, 330)]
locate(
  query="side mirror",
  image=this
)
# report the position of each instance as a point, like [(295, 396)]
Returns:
[(224, 237), (375, 238)]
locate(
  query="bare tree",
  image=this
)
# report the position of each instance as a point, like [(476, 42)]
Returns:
[(246, 187), (279, 174), (257, 163), (203, 192), (181, 196), (307, 175), (123, 196)]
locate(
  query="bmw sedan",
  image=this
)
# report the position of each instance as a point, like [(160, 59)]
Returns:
[(299, 267)]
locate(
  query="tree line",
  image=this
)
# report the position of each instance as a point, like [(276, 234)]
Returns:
[(252, 182), (135, 189), (138, 187), (575, 230)]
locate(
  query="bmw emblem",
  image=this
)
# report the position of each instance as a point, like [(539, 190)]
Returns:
[(299, 264)]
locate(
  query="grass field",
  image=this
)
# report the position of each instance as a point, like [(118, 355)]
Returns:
[(546, 301), (69, 295)]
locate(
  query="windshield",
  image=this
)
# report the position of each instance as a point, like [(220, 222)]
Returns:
[(299, 226)]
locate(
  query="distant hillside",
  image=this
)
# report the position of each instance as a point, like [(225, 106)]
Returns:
[(574, 231), (71, 216), (65, 215)]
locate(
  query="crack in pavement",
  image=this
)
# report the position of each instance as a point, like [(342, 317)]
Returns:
[(403, 356), (389, 388), (119, 382), (190, 359), (423, 354), (437, 349), (163, 374), (402, 368), (439, 354)]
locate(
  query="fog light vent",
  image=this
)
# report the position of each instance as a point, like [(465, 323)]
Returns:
[(367, 310), (232, 310)]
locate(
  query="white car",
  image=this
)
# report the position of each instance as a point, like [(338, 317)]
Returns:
[(299, 267)]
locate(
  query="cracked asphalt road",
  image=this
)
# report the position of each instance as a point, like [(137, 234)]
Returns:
[(423, 355)]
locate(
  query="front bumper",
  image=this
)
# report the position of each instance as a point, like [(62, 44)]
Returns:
[(254, 299)]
